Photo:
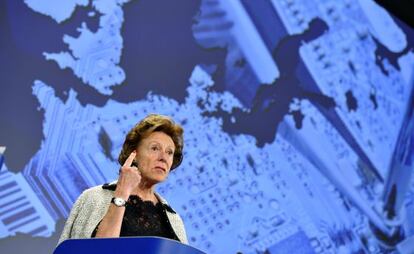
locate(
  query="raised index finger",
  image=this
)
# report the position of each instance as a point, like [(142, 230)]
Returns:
[(130, 159)]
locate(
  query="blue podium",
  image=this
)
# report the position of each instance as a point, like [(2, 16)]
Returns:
[(125, 245)]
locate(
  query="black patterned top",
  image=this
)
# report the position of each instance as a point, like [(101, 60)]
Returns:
[(143, 218)]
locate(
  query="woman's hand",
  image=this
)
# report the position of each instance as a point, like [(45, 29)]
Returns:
[(129, 178)]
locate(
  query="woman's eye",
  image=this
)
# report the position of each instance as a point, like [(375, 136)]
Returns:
[(154, 148), (170, 152)]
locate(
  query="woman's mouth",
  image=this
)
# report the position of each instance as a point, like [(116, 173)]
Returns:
[(161, 169)]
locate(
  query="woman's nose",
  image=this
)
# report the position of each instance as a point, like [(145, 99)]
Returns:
[(162, 156)]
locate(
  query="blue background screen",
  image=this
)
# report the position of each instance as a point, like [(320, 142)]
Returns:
[(298, 118)]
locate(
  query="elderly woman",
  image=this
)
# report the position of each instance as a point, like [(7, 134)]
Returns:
[(130, 206)]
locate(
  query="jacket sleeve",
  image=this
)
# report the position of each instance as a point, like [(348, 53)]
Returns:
[(67, 230), (184, 233)]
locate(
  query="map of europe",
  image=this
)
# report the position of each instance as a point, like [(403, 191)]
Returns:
[(293, 115)]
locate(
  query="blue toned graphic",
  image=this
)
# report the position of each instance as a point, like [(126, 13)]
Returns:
[(2, 149), (298, 118)]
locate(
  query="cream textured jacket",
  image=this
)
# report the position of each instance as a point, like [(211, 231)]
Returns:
[(91, 207)]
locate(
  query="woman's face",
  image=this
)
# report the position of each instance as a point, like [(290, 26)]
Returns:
[(155, 155)]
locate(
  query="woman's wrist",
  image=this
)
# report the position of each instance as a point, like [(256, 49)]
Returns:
[(122, 194)]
